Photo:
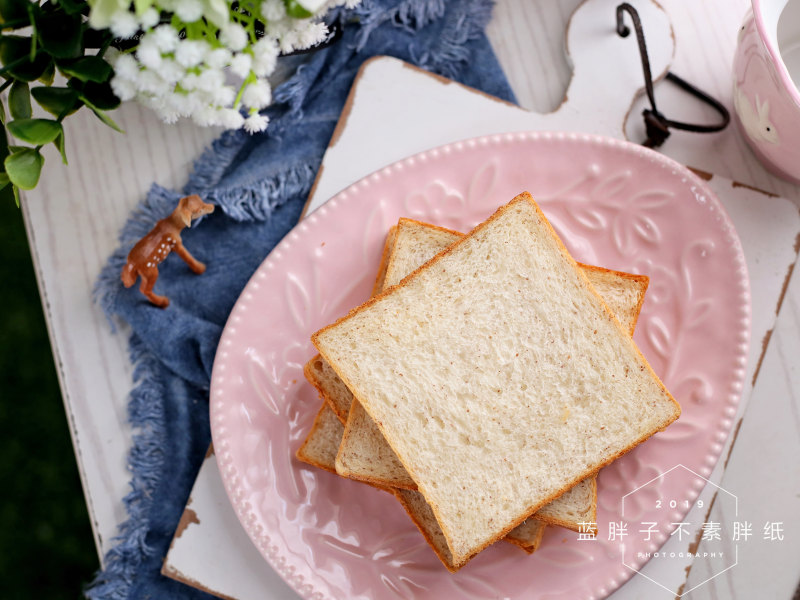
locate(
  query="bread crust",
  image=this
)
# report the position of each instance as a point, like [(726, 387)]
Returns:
[(311, 377), (341, 470), (423, 530), (303, 455), (529, 547), (388, 245), (551, 520)]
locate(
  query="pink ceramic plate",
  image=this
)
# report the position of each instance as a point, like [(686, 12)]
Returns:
[(614, 204)]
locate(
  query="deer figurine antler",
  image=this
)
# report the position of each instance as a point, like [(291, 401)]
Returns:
[(152, 249)]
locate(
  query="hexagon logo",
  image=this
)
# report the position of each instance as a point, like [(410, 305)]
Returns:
[(716, 536)]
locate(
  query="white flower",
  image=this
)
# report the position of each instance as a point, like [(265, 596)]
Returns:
[(148, 53), (166, 38), (124, 89), (273, 10), (184, 103), (124, 25), (189, 82), (171, 71), (168, 115), (206, 116), (210, 80), (313, 34), (230, 118), (276, 29), (149, 18), (265, 56), (151, 102), (218, 58), (126, 67), (350, 4), (188, 11), (241, 63), (234, 37), (223, 96), (289, 41), (152, 83), (191, 52), (257, 95), (255, 123)]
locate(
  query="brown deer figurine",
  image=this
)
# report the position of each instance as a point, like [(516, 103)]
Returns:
[(152, 249)]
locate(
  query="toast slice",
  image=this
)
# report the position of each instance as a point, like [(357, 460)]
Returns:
[(323, 440), (498, 376), (365, 455)]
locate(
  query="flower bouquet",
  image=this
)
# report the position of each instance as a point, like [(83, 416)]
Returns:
[(208, 60)]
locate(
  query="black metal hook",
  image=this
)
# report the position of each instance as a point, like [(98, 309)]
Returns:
[(656, 124)]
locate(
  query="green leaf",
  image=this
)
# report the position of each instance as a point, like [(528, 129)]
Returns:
[(15, 49), (35, 131), (49, 74), (87, 68), (100, 95), (16, 194), (4, 180), (60, 144), (60, 35), (19, 101), (57, 100), (141, 6), (24, 167), (296, 10), (103, 116), (13, 10)]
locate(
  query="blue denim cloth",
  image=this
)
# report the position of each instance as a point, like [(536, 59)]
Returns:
[(259, 184)]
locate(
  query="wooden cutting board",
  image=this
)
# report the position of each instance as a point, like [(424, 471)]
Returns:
[(394, 110)]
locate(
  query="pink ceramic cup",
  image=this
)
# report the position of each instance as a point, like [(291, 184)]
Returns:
[(766, 84)]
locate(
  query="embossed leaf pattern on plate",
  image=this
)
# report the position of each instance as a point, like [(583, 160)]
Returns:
[(613, 204)]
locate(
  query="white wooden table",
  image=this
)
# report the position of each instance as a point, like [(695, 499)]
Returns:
[(74, 215)]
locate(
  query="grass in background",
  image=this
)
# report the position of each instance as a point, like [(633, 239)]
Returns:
[(46, 545)]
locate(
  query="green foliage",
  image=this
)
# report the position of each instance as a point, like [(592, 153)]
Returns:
[(13, 10), (87, 68), (35, 131), (15, 55), (39, 38), (23, 167), (19, 100), (61, 35), (57, 100), (100, 114), (296, 10)]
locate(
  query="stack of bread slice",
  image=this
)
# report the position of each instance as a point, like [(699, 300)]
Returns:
[(486, 382)]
